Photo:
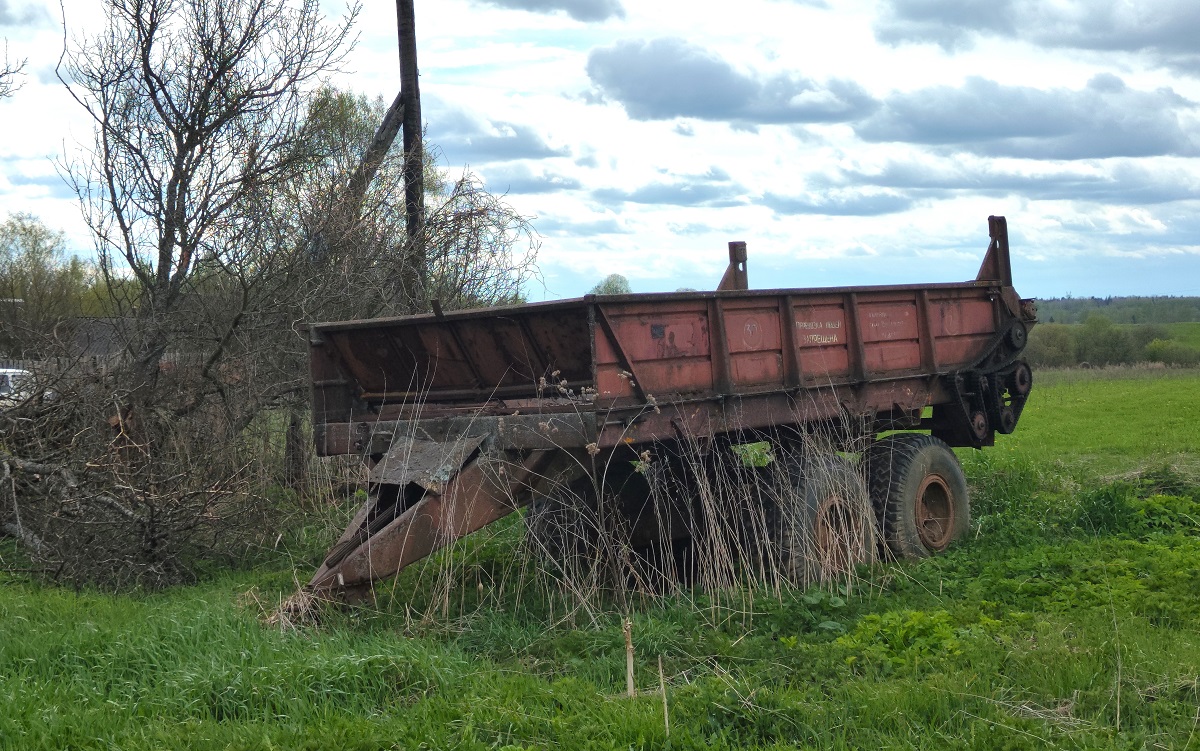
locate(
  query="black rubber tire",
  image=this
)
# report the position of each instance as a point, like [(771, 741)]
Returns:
[(919, 494), (822, 520), (561, 531)]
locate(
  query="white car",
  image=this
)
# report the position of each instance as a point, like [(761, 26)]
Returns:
[(16, 386)]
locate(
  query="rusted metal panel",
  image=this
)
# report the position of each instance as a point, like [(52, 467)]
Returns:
[(754, 340), (371, 437), (472, 498), (888, 320), (332, 393), (820, 323), (735, 278), (961, 350), (463, 357), (822, 341), (902, 399), (429, 464), (753, 327), (656, 349), (651, 336), (678, 348), (961, 316)]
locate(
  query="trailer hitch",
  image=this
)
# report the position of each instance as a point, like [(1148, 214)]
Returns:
[(424, 495)]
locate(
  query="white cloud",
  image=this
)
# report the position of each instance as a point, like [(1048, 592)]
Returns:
[(1106, 118), (665, 78), (1165, 31)]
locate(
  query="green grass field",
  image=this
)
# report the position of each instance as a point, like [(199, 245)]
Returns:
[(1188, 333), (1069, 619), (1111, 420)]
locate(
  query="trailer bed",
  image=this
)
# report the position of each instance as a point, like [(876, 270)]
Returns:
[(720, 360)]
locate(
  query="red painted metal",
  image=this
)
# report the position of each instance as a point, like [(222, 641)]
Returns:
[(537, 382)]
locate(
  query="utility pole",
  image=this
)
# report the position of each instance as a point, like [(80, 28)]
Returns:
[(414, 161)]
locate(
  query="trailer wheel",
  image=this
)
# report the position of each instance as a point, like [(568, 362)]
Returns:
[(919, 494), (822, 521), (561, 530)]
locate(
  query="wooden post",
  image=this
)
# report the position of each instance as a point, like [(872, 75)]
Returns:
[(630, 688), (662, 685), (414, 159)]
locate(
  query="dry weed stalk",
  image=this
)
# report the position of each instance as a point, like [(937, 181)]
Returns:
[(730, 517)]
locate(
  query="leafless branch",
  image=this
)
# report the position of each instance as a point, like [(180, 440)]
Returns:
[(9, 76)]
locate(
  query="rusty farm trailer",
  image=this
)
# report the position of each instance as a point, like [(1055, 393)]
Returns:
[(465, 416)]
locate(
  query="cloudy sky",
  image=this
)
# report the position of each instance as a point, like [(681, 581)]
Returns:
[(846, 141)]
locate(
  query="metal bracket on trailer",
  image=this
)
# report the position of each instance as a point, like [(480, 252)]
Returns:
[(980, 408)]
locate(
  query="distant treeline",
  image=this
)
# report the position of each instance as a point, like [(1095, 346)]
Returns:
[(1120, 309), (1098, 341)]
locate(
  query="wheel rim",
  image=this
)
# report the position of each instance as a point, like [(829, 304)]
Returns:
[(839, 536), (935, 513)]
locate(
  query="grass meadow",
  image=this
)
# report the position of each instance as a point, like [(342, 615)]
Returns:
[(1069, 619), (1185, 332)]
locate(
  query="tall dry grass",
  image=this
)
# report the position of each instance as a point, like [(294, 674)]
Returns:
[(723, 518)]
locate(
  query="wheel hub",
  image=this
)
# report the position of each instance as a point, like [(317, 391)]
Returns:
[(935, 513)]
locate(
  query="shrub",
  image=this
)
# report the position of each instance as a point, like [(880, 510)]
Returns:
[(1100, 343), (1171, 353), (1052, 345), (1144, 334)]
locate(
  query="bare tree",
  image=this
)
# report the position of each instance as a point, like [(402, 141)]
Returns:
[(337, 248), (197, 104), (199, 110), (478, 250), (475, 248), (232, 200)]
